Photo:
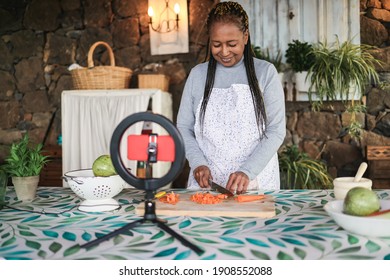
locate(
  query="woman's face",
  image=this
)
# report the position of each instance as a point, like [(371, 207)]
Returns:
[(227, 43)]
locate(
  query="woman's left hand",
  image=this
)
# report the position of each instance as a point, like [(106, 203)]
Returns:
[(238, 182)]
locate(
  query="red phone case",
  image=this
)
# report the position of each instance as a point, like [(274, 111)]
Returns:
[(137, 148)]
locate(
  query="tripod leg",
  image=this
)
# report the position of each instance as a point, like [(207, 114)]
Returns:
[(184, 241), (112, 234)]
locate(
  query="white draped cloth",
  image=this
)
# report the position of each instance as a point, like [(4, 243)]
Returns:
[(89, 118)]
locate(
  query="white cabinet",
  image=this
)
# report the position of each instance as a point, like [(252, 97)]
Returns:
[(89, 118)]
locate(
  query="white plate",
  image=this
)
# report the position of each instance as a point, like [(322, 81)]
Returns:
[(368, 226)]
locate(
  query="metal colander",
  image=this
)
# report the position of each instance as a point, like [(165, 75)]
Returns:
[(97, 192)]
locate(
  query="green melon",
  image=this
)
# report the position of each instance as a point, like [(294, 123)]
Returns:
[(103, 167), (361, 201)]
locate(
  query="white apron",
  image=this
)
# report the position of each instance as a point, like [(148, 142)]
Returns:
[(230, 134)]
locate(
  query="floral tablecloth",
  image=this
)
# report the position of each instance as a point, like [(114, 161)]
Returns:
[(52, 227)]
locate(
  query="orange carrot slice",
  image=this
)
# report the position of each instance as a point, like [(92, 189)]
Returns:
[(377, 213), (171, 198), (206, 198), (222, 196), (249, 198)]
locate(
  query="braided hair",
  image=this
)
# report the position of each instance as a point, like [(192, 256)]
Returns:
[(232, 12)]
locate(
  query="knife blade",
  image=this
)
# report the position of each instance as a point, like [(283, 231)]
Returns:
[(214, 186)]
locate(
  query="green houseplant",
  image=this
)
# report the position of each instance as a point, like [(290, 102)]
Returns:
[(299, 56), (299, 171), (24, 164), (341, 71)]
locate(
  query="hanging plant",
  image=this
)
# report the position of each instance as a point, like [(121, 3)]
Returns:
[(341, 71)]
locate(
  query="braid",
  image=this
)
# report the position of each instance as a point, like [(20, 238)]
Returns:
[(229, 12), (232, 12), (257, 95), (208, 87)]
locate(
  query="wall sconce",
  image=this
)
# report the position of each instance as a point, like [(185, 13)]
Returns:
[(165, 23), (168, 26)]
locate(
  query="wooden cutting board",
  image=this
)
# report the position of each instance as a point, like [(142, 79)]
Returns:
[(227, 208)]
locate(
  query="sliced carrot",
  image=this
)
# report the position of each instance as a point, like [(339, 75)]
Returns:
[(377, 213), (249, 198), (206, 198), (171, 198), (222, 196)]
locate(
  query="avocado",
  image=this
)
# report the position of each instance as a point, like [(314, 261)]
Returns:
[(361, 201), (103, 167)]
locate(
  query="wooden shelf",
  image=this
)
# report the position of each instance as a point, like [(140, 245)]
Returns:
[(378, 166), (51, 174)]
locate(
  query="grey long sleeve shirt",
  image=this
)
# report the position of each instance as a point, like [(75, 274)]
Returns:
[(272, 89)]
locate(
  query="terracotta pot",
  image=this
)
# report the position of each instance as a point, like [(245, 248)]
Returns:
[(25, 187)]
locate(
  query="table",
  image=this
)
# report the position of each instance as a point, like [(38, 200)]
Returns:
[(51, 227), (89, 118)]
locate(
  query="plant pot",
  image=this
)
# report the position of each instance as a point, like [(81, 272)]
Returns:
[(25, 187), (301, 83), (281, 77)]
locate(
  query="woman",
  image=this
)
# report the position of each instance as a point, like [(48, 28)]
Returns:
[(232, 114)]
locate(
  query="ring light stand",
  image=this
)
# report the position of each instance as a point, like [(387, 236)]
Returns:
[(149, 184)]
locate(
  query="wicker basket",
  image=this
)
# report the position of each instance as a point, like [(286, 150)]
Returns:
[(159, 81), (101, 77)]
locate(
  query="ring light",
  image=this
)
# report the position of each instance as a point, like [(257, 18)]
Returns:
[(149, 184), (154, 150)]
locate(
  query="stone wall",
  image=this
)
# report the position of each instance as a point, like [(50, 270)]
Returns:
[(321, 134), (374, 22), (41, 38)]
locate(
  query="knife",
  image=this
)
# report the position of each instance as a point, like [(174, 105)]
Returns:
[(214, 186)]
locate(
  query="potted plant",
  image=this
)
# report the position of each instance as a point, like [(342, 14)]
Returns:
[(300, 58), (299, 171), (24, 164), (341, 71)]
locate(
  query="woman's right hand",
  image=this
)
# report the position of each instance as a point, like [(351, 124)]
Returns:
[(202, 175)]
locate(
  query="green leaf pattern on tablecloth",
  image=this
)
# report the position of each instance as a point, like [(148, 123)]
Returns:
[(185, 224), (259, 255), (258, 242), (300, 230), (55, 247), (165, 242), (300, 253), (372, 246), (165, 253), (72, 250), (33, 244), (182, 255)]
